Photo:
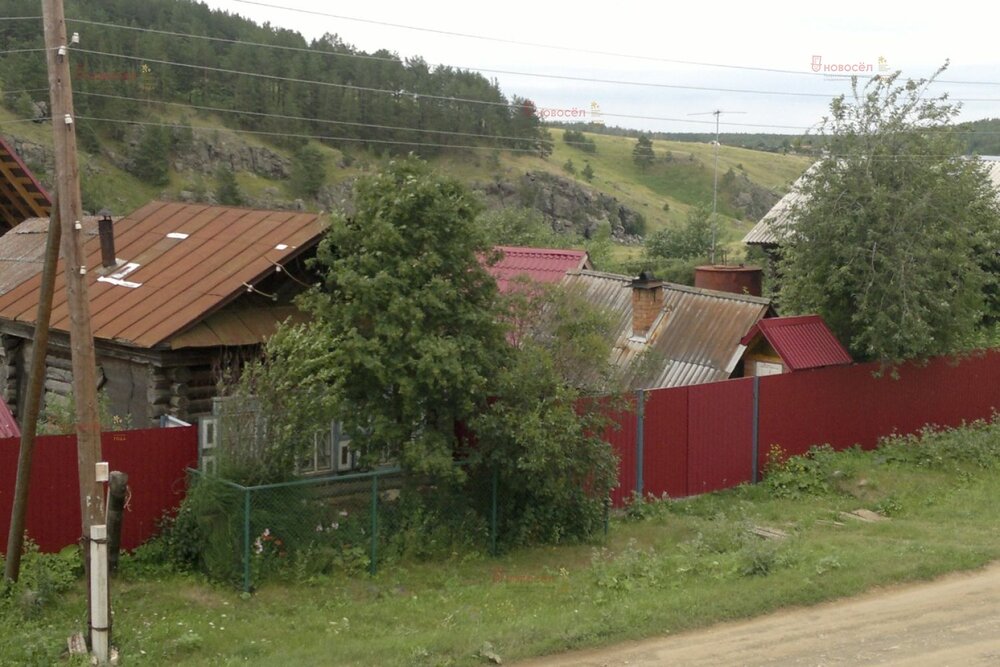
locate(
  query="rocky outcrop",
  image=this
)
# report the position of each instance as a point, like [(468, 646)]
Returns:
[(752, 200), (205, 157), (568, 206), (39, 158)]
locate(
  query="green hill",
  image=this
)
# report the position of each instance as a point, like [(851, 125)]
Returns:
[(148, 128)]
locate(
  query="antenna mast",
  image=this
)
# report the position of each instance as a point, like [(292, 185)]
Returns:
[(715, 178)]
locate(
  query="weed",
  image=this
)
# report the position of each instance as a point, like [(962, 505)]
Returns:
[(798, 476)]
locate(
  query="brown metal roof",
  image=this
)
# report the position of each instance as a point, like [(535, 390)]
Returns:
[(192, 259), (696, 338), (21, 195)]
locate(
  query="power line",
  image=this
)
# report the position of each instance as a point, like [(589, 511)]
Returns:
[(571, 49), (374, 125), (317, 136), (894, 156), (312, 120), (22, 90), (401, 93), (364, 56), (275, 77), (40, 119)]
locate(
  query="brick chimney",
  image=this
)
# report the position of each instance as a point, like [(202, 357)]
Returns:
[(647, 302)]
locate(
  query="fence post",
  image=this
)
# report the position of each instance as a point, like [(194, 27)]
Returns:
[(640, 417), (607, 516), (493, 511), (372, 567), (755, 440), (246, 539)]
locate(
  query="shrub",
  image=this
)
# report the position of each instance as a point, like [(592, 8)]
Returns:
[(798, 476)]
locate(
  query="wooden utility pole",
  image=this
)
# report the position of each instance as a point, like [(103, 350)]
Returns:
[(84, 362), (32, 399)]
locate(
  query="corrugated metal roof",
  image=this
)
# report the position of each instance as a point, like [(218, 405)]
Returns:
[(21, 195), (696, 338), (22, 251), (8, 425), (190, 261), (802, 341), (776, 222), (544, 265)]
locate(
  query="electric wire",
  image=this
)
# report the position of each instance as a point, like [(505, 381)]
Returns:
[(275, 77), (570, 49), (366, 56)]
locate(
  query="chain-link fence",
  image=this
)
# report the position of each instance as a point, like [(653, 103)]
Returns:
[(350, 522)]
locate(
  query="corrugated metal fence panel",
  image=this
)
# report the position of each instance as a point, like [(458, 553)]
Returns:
[(53, 516), (665, 444), (850, 405), (154, 459), (942, 393), (622, 436), (720, 431), (823, 406)]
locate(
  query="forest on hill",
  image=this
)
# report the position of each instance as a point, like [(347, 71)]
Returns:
[(180, 102), (261, 78)]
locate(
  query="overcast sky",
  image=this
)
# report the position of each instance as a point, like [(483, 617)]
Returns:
[(777, 35)]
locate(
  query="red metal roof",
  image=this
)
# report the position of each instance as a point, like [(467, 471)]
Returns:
[(803, 341), (544, 265), (190, 261), (8, 425)]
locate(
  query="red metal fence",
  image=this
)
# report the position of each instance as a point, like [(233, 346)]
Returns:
[(154, 459), (679, 442), (690, 440)]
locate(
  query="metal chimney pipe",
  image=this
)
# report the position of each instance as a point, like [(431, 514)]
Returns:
[(106, 232)]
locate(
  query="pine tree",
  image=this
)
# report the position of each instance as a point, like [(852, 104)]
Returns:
[(227, 190), (643, 154)]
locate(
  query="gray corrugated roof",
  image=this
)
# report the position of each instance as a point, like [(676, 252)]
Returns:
[(22, 250), (695, 340), (775, 223)]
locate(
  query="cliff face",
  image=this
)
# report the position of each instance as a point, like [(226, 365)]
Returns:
[(568, 206)]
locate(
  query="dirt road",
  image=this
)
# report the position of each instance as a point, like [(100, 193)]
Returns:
[(952, 621)]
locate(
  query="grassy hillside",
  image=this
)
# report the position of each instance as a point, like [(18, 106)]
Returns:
[(680, 182)]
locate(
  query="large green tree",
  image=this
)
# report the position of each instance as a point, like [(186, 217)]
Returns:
[(896, 233), (410, 315)]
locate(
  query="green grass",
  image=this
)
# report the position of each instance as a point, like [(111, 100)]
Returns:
[(674, 566), (681, 184)]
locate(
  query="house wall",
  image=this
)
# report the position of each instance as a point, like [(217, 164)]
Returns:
[(139, 385), (11, 369), (760, 351)]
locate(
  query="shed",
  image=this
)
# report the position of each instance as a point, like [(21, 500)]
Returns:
[(192, 290), (788, 344), (21, 195)]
